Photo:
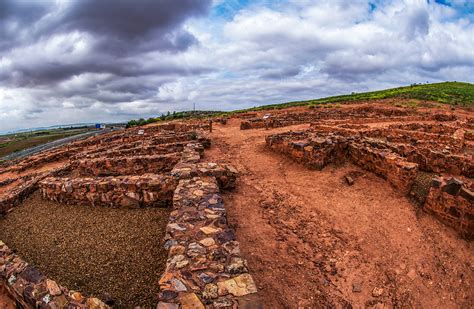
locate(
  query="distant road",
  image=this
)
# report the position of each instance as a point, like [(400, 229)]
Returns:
[(30, 151)]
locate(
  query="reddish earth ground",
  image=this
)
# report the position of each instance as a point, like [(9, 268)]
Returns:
[(5, 301), (313, 241)]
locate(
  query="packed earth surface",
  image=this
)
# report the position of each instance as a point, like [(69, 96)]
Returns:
[(363, 205)]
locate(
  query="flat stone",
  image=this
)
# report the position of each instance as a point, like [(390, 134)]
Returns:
[(207, 242), (238, 286), (356, 287), (163, 305), (453, 186), (178, 249), (411, 274), (198, 192), (167, 295), (210, 291), (236, 266), (178, 285), (191, 301), (53, 288), (465, 193), (95, 303), (182, 264), (209, 230)]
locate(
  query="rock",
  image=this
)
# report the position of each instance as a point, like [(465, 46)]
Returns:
[(356, 287), (465, 193), (238, 286), (210, 291), (53, 287), (377, 292), (178, 286), (209, 230), (195, 249), (182, 264), (167, 295), (191, 301), (453, 186), (163, 305), (207, 242), (412, 274), (349, 180), (174, 250), (206, 278), (95, 303), (236, 266)]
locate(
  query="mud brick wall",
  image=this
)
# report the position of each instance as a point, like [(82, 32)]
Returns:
[(29, 287), (204, 266), (138, 165), (127, 191), (452, 200)]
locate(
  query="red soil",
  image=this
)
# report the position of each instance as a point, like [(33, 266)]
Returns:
[(313, 241)]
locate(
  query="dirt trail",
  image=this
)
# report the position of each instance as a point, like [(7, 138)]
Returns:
[(311, 240)]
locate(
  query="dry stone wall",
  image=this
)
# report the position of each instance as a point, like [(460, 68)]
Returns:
[(28, 286), (149, 190), (452, 200), (137, 165), (449, 199)]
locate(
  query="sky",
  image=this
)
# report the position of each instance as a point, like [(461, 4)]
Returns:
[(74, 61)]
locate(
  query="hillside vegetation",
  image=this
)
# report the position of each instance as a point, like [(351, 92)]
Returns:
[(452, 93)]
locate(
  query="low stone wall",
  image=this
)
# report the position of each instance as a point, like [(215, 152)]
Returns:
[(452, 200), (29, 185), (318, 151), (385, 163), (137, 165), (142, 150), (126, 191), (205, 268), (28, 286)]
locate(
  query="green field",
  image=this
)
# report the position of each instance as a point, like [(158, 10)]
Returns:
[(452, 93), (15, 142)]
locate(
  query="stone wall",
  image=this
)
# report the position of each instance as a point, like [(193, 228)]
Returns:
[(452, 200), (28, 186), (125, 191), (137, 165), (28, 286), (205, 267), (318, 151)]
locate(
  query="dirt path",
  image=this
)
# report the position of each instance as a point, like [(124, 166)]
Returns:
[(311, 240)]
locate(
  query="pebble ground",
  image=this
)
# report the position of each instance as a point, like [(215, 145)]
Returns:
[(108, 253)]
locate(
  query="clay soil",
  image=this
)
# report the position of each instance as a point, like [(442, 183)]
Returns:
[(112, 254), (312, 241)]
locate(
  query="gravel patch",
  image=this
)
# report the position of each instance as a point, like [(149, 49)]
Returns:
[(108, 253)]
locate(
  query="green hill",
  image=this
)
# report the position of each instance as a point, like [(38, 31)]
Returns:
[(454, 93)]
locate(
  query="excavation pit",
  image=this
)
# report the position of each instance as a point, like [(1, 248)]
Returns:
[(113, 254)]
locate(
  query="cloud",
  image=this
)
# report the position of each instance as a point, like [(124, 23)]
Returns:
[(86, 61)]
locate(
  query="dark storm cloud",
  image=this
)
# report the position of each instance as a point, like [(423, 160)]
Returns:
[(115, 32)]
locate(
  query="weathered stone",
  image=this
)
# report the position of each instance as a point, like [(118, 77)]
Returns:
[(238, 286), (207, 242), (163, 305), (210, 291), (356, 287), (191, 301), (209, 230), (95, 303), (377, 292), (236, 266), (53, 287), (178, 285), (453, 186)]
